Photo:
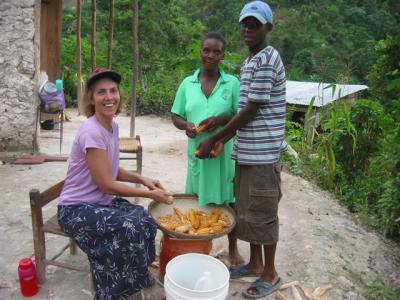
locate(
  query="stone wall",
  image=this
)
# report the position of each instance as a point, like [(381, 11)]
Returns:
[(18, 69)]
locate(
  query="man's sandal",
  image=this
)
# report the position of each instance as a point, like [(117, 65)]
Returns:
[(262, 289), (243, 271)]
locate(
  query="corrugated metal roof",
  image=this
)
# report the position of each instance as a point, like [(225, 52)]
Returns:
[(301, 92)]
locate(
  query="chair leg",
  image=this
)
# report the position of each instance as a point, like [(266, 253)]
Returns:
[(139, 160), (40, 255), (61, 128), (72, 246), (35, 136), (39, 242), (90, 279)]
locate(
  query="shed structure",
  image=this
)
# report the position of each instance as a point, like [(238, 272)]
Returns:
[(299, 95), (30, 43)]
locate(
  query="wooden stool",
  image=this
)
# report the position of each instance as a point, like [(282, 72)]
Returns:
[(133, 147)]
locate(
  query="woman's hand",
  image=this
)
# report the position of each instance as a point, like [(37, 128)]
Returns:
[(157, 191), (209, 123), (151, 184), (191, 130), (161, 196)]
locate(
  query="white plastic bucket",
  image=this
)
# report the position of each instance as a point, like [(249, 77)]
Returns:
[(186, 271)]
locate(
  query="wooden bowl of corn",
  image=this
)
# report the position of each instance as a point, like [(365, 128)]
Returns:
[(185, 219)]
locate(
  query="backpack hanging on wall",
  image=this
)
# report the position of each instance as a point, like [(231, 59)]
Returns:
[(51, 99)]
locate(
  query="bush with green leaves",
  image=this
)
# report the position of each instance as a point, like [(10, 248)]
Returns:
[(354, 153), (376, 288), (328, 41), (368, 119)]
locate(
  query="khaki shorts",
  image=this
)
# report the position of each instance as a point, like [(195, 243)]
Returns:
[(257, 192)]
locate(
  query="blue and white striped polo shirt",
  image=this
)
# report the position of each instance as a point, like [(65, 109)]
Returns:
[(262, 80)]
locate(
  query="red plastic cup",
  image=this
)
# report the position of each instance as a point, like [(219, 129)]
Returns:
[(27, 277)]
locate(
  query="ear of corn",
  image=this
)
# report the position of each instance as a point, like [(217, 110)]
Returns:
[(205, 230), (217, 212), (169, 226), (216, 228), (195, 221), (204, 222), (191, 216), (183, 228), (201, 128), (223, 217), (213, 217), (223, 223), (179, 213)]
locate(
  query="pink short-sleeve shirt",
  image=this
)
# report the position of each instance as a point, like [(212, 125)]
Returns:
[(79, 186)]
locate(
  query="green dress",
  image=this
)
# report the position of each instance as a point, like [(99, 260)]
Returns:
[(210, 179)]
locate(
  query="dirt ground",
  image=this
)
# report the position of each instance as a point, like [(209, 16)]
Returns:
[(320, 241)]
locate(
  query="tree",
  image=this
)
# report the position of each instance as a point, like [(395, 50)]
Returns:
[(110, 34), (78, 56), (384, 77), (135, 40), (93, 36)]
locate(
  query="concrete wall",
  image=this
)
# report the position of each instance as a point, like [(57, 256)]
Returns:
[(18, 69)]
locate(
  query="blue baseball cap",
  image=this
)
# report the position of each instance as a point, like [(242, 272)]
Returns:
[(257, 9)]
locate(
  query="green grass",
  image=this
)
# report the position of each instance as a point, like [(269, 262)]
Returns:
[(378, 290)]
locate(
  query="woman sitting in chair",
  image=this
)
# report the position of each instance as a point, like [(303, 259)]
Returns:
[(117, 236)]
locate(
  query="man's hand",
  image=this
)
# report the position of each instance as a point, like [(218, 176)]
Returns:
[(204, 149), (218, 147), (191, 130)]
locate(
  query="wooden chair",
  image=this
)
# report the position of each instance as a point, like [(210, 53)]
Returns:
[(40, 227), (133, 148)]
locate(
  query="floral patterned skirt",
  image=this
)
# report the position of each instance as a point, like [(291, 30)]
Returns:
[(119, 240)]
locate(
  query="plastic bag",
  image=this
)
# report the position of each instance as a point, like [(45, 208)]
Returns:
[(51, 99)]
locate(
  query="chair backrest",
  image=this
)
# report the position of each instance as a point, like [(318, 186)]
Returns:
[(129, 144), (41, 199), (40, 226)]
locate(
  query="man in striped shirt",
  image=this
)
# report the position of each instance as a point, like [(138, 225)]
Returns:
[(259, 127)]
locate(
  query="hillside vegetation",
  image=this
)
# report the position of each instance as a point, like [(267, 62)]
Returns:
[(355, 153)]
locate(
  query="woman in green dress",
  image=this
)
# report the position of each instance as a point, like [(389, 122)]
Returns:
[(204, 103)]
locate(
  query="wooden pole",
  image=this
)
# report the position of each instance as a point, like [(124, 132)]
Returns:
[(50, 38), (135, 30), (78, 57), (93, 36), (110, 34)]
